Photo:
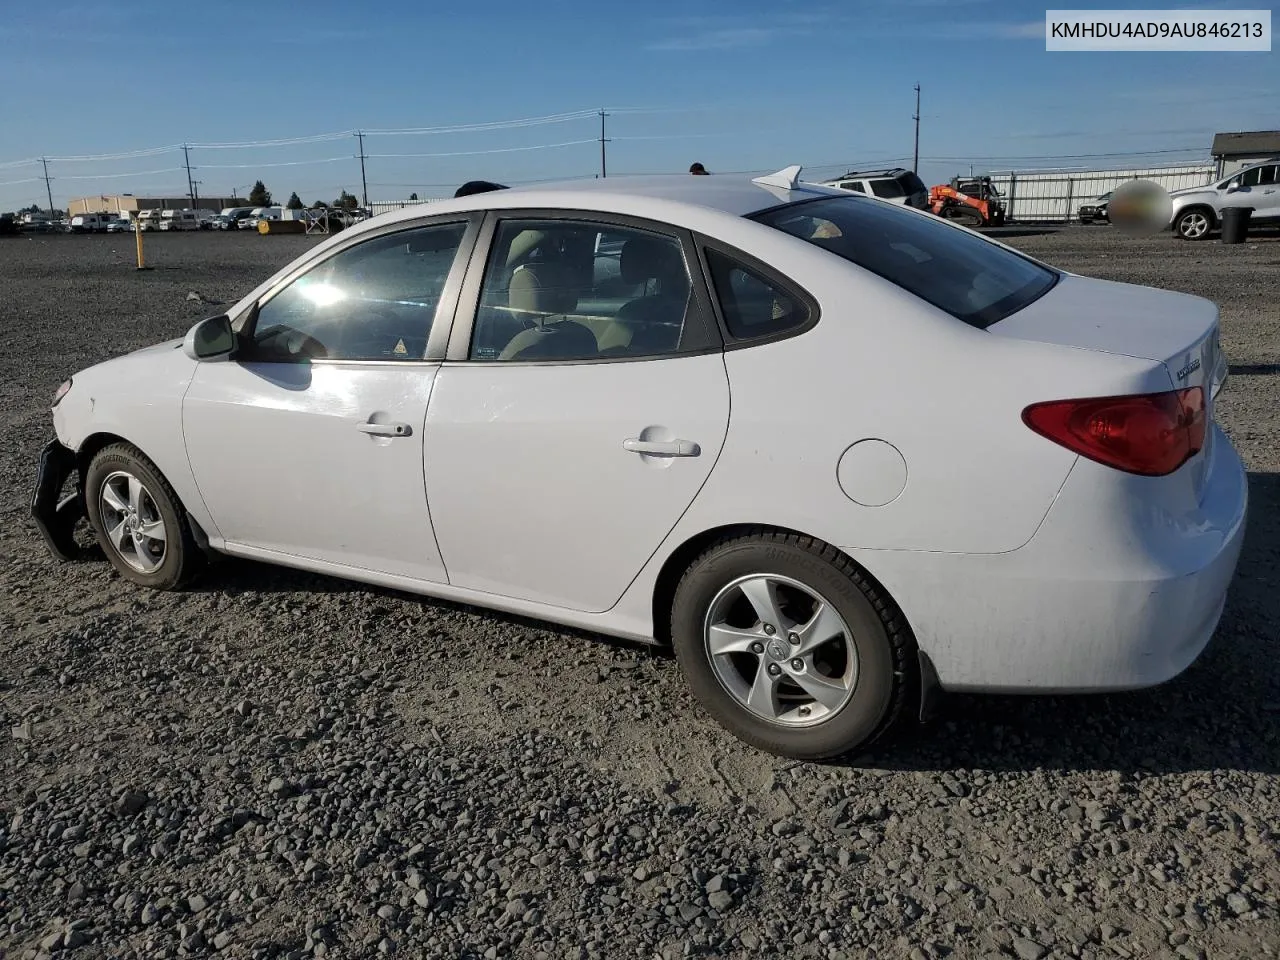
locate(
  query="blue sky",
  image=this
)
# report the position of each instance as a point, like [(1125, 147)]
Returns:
[(743, 85)]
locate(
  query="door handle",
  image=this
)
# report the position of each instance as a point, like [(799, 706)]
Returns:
[(385, 429), (663, 448)]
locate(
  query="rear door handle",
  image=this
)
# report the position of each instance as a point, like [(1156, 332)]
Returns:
[(663, 448), (385, 429)]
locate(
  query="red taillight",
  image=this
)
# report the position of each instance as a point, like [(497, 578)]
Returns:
[(1151, 434)]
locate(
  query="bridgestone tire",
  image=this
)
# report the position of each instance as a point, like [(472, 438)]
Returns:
[(183, 559), (886, 670)]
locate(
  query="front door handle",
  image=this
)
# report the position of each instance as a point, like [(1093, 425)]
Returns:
[(662, 448), (385, 429)]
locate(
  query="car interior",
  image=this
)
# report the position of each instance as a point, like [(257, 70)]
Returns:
[(376, 301), (570, 291)]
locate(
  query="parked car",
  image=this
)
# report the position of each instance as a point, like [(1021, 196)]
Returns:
[(562, 357), (120, 225), (896, 185), (1096, 210), (231, 217), (1197, 211)]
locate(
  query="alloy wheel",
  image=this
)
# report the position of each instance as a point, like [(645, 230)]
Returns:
[(131, 518), (1194, 226), (781, 650)]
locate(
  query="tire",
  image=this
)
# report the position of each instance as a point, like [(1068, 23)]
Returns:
[(163, 564), (866, 671), (1195, 223)]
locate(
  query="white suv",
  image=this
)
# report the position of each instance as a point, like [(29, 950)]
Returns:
[(897, 185), (1198, 210)]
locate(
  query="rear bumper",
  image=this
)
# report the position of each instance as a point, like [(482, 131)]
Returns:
[(56, 516), (1097, 600)]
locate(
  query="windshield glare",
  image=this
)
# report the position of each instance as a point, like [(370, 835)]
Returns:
[(955, 270)]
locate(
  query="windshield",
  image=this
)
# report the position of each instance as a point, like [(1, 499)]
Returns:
[(952, 268)]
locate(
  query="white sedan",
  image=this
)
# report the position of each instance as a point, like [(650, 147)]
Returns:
[(837, 452)]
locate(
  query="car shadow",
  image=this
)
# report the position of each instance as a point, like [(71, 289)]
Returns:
[(1003, 232), (1253, 369), (1223, 713)]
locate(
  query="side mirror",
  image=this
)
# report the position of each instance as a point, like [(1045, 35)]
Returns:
[(1233, 186), (210, 339)]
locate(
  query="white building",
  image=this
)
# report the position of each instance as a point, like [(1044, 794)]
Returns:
[(1235, 150)]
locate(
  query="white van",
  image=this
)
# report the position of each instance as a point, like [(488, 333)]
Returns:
[(179, 220), (90, 222)]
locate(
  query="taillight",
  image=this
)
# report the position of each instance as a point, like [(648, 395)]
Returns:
[(1151, 434)]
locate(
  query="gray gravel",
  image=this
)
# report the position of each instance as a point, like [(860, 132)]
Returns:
[(275, 764)]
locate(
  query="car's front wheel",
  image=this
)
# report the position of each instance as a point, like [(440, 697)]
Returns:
[(138, 519), (1193, 224), (788, 644)]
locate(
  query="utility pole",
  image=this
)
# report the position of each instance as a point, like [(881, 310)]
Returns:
[(47, 189), (364, 184), (195, 194), (915, 156), (191, 190), (603, 141)]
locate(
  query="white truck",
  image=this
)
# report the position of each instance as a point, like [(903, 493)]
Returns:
[(90, 222), (185, 219)]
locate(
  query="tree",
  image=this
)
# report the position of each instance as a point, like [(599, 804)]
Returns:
[(413, 196), (346, 202), (319, 205), (260, 196), (295, 202)]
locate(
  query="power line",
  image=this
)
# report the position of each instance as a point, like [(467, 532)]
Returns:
[(477, 153), (278, 163), (490, 125), (113, 176)]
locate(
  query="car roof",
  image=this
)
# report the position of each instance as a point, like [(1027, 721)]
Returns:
[(889, 172), (730, 194)]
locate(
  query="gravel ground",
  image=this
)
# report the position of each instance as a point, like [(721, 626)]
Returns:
[(275, 764)]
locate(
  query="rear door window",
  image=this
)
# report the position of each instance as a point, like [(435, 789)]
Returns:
[(887, 188), (971, 278)]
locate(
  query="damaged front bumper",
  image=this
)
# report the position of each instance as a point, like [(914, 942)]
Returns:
[(57, 515)]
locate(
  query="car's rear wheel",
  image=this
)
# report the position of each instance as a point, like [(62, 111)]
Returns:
[(1193, 224), (138, 519), (788, 644)]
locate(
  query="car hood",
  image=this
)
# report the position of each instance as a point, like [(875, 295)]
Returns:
[(1190, 191), (156, 347)]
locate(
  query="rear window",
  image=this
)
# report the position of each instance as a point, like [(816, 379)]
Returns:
[(957, 271), (912, 184), (887, 188)]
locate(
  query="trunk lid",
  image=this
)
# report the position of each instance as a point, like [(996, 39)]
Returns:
[(1177, 330)]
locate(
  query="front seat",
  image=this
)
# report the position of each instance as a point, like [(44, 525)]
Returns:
[(653, 322), (544, 293)]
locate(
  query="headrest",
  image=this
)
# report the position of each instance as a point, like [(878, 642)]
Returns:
[(650, 258), (541, 288)]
